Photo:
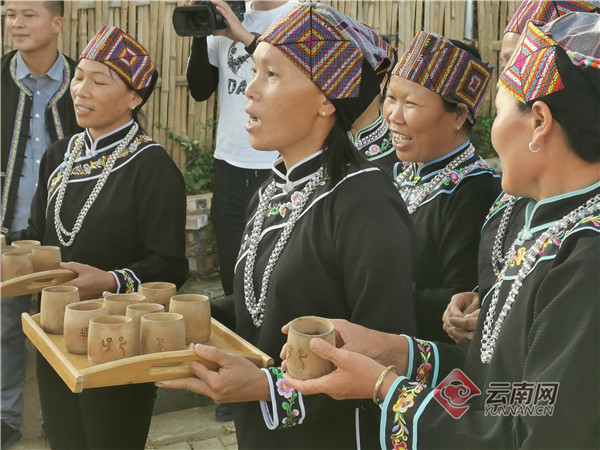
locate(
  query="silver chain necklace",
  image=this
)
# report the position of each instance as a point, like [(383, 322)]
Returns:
[(427, 188), (500, 233), (257, 308), (490, 330), (58, 225)]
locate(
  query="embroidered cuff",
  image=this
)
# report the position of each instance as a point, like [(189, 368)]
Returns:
[(126, 280), (422, 361), (286, 408), (401, 404)]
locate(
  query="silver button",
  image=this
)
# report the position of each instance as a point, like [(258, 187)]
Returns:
[(38, 93), (37, 116), (37, 139), (37, 161)]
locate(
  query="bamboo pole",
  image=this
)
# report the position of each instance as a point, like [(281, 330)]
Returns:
[(123, 14)]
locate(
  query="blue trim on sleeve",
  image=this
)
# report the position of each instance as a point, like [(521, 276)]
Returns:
[(384, 408), (410, 355), (415, 426), (436, 360)]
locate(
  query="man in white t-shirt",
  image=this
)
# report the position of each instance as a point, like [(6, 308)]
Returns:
[(224, 59)]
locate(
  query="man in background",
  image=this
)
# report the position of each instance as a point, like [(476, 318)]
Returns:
[(36, 110)]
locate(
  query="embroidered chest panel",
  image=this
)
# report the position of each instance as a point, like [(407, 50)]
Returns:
[(410, 191), (91, 167), (550, 247)]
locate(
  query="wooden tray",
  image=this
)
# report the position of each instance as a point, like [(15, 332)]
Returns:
[(78, 373), (35, 282)]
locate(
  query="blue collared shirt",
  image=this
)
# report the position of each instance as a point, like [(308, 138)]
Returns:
[(43, 89)]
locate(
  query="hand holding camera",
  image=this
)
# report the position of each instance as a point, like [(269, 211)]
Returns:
[(206, 17)]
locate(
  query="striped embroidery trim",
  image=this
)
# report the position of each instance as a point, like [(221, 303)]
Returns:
[(25, 91)]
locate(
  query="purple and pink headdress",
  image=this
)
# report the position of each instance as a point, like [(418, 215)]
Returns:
[(437, 64), (125, 56), (559, 64), (344, 58), (544, 11)]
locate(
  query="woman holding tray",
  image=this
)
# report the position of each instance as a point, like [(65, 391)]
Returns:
[(328, 233), (114, 202), (533, 364)]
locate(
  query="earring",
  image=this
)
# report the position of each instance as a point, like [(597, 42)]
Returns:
[(531, 148), (457, 127), (132, 108), (323, 113)]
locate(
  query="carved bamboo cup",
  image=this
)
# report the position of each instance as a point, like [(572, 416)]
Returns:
[(117, 303), (162, 332), (45, 257), (15, 264), (110, 338), (77, 322), (136, 311), (302, 363), (158, 292), (25, 245), (195, 309), (53, 304)]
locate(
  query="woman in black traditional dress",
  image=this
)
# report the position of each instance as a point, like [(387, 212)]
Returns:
[(114, 202), (529, 379), (447, 187), (460, 317), (328, 234)]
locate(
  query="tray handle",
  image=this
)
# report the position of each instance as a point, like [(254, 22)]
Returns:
[(151, 368)]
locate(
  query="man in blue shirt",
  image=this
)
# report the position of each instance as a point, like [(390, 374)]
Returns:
[(36, 110)]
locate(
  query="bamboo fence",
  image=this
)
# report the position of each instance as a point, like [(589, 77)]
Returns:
[(171, 105)]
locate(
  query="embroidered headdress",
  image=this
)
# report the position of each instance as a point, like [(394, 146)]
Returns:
[(544, 11), (559, 63), (437, 64), (126, 56), (344, 58)]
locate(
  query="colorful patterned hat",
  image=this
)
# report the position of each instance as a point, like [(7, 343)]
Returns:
[(347, 60), (328, 47), (123, 54), (559, 63), (437, 64), (532, 71), (544, 11)]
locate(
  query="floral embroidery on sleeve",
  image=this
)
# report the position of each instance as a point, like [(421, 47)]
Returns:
[(288, 404), (127, 282), (400, 433), (424, 370), (286, 408)]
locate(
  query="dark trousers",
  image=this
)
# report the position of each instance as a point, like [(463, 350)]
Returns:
[(98, 418), (233, 189)]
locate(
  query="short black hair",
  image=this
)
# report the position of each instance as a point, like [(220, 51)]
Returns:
[(583, 143), (57, 8), (575, 107)]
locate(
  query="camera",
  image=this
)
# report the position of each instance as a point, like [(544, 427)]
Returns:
[(202, 18)]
